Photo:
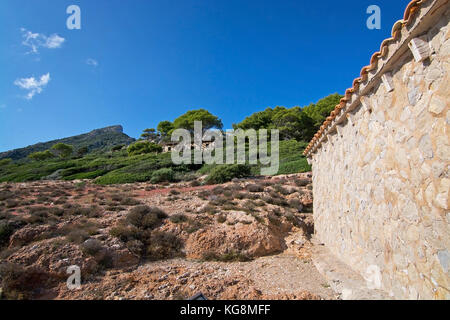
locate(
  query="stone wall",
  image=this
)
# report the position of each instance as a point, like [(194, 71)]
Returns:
[(381, 179)]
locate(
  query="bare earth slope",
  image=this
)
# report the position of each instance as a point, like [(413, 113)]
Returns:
[(247, 239)]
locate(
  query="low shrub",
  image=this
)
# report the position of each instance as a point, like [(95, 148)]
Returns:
[(273, 219), (117, 147), (6, 230), (91, 247), (249, 204), (128, 201), (5, 194), (259, 203), (80, 231), (257, 217), (93, 211), (195, 183), (209, 208), (282, 190), (221, 218), (228, 193), (301, 182), (232, 256), (11, 203), (135, 246), (162, 175), (5, 162), (296, 204), (219, 201), (225, 173), (239, 195), (218, 190), (19, 283), (77, 236), (178, 218), (163, 245), (193, 226), (204, 195), (145, 217), (275, 199), (255, 188), (125, 233)]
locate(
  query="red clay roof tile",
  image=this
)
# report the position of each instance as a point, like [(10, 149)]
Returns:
[(410, 10)]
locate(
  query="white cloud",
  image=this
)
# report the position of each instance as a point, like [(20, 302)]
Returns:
[(33, 85), (54, 41), (38, 40), (92, 62)]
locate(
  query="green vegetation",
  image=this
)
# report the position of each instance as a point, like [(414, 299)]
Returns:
[(179, 218), (322, 108), (82, 151), (225, 173), (99, 140), (150, 135), (4, 162), (231, 256), (186, 121), (294, 123), (6, 230), (117, 148), (145, 217), (62, 150), (163, 175), (41, 155), (103, 155), (164, 128), (137, 232), (119, 167), (143, 147)]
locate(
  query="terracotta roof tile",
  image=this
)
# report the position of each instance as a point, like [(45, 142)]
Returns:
[(410, 10)]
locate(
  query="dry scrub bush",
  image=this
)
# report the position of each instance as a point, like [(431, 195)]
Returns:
[(255, 188)]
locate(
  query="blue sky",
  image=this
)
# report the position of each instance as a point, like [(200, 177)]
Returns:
[(139, 62)]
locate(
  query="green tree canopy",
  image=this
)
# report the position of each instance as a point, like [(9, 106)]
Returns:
[(258, 120), (293, 123), (186, 121), (6, 161), (117, 148), (62, 150), (322, 109), (142, 147), (82, 151), (41, 155), (165, 127), (149, 134)]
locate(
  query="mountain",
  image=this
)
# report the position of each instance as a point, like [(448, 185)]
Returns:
[(95, 140)]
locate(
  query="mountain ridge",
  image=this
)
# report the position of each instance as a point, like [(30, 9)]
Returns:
[(94, 140)]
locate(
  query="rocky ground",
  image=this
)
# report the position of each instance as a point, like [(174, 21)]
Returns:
[(246, 239)]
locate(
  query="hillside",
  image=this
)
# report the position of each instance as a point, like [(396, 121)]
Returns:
[(105, 165), (117, 167), (95, 140)]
